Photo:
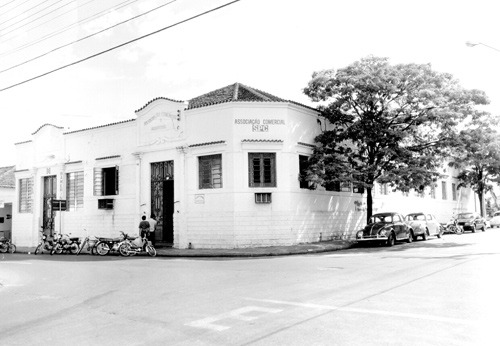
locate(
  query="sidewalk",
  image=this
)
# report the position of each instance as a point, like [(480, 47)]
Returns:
[(326, 246)]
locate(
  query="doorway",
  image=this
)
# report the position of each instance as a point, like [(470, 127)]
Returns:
[(49, 193), (162, 201)]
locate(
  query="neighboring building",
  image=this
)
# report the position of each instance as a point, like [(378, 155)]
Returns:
[(7, 194), (219, 172)]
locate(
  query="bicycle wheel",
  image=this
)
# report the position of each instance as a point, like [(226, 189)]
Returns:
[(102, 249), (81, 247), (151, 250), (39, 249), (12, 248)]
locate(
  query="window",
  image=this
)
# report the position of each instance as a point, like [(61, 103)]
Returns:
[(383, 189), (339, 186), (210, 171), (433, 192), (263, 197), (358, 187), (106, 181), (262, 169), (74, 190), (443, 190), (304, 184), (25, 195), (454, 191)]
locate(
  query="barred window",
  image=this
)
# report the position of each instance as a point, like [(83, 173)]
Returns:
[(106, 181), (303, 163), (25, 195), (210, 171), (339, 186), (74, 190), (383, 189), (262, 169), (433, 192)]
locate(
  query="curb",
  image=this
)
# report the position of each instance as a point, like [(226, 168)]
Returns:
[(301, 249)]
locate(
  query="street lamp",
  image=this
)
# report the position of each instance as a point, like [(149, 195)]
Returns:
[(473, 44)]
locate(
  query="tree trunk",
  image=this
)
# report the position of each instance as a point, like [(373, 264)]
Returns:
[(369, 203), (480, 195)]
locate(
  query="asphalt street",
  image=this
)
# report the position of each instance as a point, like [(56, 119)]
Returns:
[(434, 292)]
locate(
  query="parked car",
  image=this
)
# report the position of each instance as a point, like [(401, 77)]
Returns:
[(424, 225), (471, 221), (385, 228), (495, 219)]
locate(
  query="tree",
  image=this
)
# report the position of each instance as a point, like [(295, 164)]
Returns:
[(388, 123), (477, 155)]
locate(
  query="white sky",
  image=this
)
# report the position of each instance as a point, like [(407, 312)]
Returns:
[(271, 45)]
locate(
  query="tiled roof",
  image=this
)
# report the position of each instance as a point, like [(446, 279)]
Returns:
[(7, 176), (236, 92)]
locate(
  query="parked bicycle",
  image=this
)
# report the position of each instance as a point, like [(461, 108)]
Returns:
[(45, 243), (7, 246), (89, 243)]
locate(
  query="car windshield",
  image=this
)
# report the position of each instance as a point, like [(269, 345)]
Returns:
[(466, 216), (415, 217), (380, 218)]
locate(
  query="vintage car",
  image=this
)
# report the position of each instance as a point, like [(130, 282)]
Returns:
[(471, 221), (495, 219), (424, 225), (385, 228)]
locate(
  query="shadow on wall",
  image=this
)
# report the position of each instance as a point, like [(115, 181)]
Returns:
[(340, 219)]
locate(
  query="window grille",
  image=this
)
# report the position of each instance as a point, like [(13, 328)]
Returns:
[(210, 171), (25, 195), (262, 169), (74, 190)]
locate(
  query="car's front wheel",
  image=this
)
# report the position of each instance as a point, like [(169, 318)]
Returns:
[(410, 237), (391, 240)]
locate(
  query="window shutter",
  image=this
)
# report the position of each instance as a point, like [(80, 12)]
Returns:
[(117, 175), (97, 182)]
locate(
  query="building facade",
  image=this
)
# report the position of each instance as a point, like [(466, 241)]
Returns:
[(220, 171), (7, 195)]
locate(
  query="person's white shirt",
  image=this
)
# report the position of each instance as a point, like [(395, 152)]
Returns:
[(152, 225)]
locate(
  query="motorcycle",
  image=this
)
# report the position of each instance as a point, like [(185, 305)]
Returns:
[(131, 246), (45, 244), (106, 245), (453, 227), (6, 245), (65, 243)]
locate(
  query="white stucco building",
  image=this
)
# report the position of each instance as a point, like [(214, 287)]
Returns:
[(219, 171), (7, 196)]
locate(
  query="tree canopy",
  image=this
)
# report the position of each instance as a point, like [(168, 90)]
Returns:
[(390, 124), (477, 156)]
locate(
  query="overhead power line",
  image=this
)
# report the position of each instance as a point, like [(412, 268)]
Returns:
[(66, 28), (19, 15), (121, 45), (84, 38)]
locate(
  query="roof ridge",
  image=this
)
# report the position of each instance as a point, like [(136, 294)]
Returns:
[(257, 93)]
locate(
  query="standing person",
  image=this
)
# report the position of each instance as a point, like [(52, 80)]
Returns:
[(152, 228), (144, 227)]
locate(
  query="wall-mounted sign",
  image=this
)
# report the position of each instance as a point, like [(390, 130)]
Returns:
[(259, 125)]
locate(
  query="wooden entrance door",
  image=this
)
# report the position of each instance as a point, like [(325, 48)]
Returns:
[(49, 193), (162, 201)]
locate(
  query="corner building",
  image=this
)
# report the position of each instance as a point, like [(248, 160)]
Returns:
[(220, 171)]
